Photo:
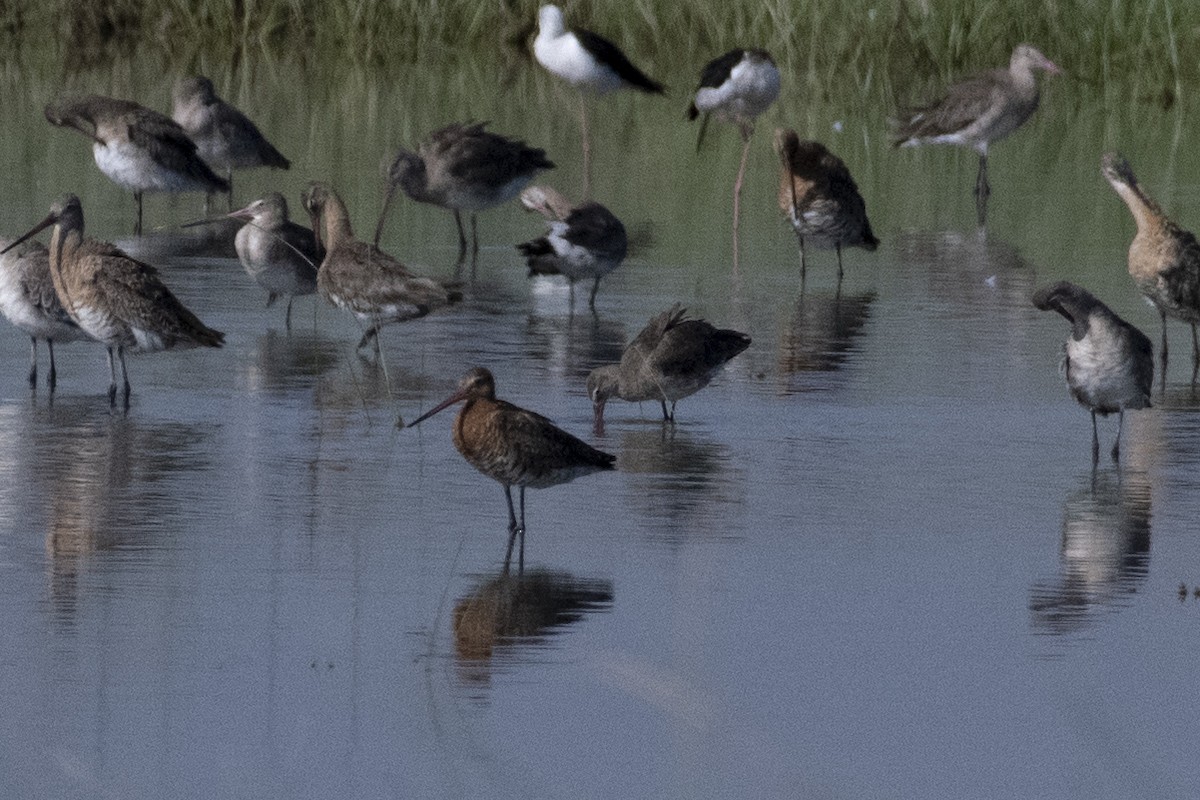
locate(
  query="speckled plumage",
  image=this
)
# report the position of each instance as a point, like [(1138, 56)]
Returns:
[(671, 358), (28, 301), (1108, 363), (1164, 259), (514, 446), (116, 299), (362, 279), (820, 198)]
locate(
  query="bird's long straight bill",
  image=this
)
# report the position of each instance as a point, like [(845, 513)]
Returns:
[(449, 401), (387, 203), (41, 226)]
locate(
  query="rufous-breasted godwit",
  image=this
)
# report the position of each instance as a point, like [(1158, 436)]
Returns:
[(515, 447)]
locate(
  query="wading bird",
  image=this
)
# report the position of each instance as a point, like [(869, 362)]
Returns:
[(28, 301), (1108, 363), (362, 279), (1164, 259), (281, 256), (585, 60), (819, 197), (671, 358), (138, 149), (224, 136), (736, 87), (113, 298), (585, 241), (515, 447), (463, 168), (977, 111)]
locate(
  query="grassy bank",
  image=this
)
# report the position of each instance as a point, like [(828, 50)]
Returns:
[(830, 43)]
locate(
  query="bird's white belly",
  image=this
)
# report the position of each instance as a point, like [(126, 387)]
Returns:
[(1097, 373), (567, 58), (747, 93), (132, 168)]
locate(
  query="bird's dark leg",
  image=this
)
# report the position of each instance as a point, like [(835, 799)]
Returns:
[(512, 527), (229, 195), (372, 333), (124, 375), (1095, 441), (982, 190), (474, 234), (1195, 354), (668, 416), (287, 317), (1116, 448), (137, 230), (592, 297), (112, 383), (1163, 352), (462, 236), (52, 379), (838, 248), (521, 552), (33, 362)]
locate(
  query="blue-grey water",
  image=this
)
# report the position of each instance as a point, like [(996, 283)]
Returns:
[(872, 559)]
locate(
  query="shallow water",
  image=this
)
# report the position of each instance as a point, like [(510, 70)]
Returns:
[(871, 560)]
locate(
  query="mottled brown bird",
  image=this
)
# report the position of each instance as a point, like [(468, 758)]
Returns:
[(115, 299), (362, 279), (1164, 259), (515, 447), (820, 198), (671, 358), (224, 136), (1108, 363), (28, 301), (138, 149), (463, 168), (979, 110)]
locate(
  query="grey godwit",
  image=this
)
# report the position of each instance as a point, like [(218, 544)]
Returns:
[(515, 447), (585, 60), (673, 357), (281, 256), (224, 136), (819, 197), (1108, 363), (737, 87), (1164, 259), (978, 110), (138, 149), (585, 241), (362, 279), (28, 301), (463, 168), (113, 298)]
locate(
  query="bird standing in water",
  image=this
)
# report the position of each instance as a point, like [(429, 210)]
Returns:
[(463, 168), (737, 87), (115, 299), (281, 256), (820, 199), (1108, 363), (515, 447), (977, 111), (138, 149), (585, 241), (28, 301), (224, 136), (585, 60), (362, 279), (671, 358), (1164, 259)]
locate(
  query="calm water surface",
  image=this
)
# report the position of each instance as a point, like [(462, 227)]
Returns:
[(871, 560)]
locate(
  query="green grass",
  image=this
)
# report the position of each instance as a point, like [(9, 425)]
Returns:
[(828, 44)]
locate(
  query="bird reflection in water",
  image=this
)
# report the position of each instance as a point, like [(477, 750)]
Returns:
[(281, 361), (821, 333), (678, 481), (1105, 551), (975, 271), (521, 610), (569, 346), (202, 239)]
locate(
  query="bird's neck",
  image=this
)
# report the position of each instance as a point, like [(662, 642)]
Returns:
[(335, 224), (1146, 213)]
